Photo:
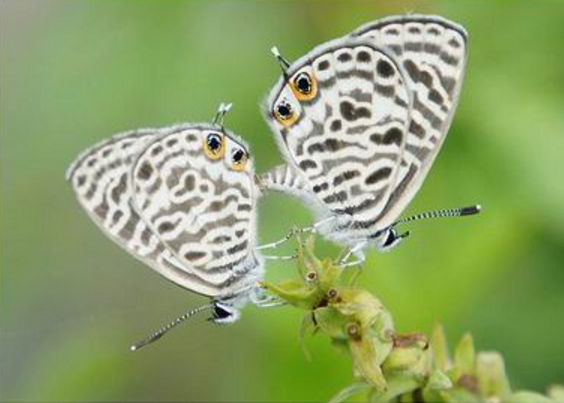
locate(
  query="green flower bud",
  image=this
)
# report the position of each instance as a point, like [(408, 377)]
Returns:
[(492, 379)]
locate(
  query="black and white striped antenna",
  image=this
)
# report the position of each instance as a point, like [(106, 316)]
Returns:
[(165, 329), (220, 114), (453, 212), (284, 63)]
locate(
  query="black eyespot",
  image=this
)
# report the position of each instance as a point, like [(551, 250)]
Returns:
[(214, 142), (238, 156), (303, 83), (284, 110)]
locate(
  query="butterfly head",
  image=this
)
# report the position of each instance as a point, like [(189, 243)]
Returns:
[(389, 239), (224, 313)]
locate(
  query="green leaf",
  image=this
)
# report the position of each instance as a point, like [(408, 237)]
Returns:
[(492, 379), (439, 348), (366, 362), (464, 355), (439, 381), (529, 397)]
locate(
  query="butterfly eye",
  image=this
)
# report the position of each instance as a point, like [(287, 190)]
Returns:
[(214, 146), (239, 158), (285, 114), (304, 86)]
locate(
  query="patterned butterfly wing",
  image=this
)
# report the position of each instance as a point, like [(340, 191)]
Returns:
[(100, 179), (433, 52), (202, 206), (346, 135)]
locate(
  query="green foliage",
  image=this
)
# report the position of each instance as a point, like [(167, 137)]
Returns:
[(391, 366)]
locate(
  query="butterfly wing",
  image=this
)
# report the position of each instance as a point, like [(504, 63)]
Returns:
[(346, 137), (100, 179), (433, 52), (202, 209)]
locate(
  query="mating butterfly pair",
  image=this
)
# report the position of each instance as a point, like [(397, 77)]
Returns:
[(359, 120)]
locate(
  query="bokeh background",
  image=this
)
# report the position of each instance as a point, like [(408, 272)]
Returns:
[(71, 302)]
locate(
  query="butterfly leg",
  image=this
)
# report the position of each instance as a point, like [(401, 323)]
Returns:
[(357, 252), (292, 233), (263, 300), (274, 257)]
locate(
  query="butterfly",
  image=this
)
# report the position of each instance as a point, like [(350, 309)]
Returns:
[(360, 120), (181, 199)]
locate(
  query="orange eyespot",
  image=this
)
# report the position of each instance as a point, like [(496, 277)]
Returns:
[(214, 146), (285, 114), (239, 159), (304, 86)]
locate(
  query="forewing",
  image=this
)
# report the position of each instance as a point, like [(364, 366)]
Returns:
[(347, 141), (201, 209), (100, 178), (433, 52)]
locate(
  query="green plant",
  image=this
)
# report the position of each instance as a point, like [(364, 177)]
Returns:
[(389, 366)]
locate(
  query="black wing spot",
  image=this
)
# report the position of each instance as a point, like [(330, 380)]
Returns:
[(145, 171), (345, 176), (336, 125), (194, 255), (216, 206), (334, 145), (315, 148), (454, 43), (323, 65), (171, 142), (307, 164), (321, 187), (417, 129), (350, 113), (189, 183), (81, 180), (156, 150), (384, 68), (392, 31), (344, 57), (379, 175), (165, 227), (363, 56), (392, 136), (118, 190), (432, 48), (190, 138), (117, 215), (436, 97)]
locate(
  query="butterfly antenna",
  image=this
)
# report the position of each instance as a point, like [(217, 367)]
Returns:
[(284, 64), (163, 330), (220, 114), (454, 212)]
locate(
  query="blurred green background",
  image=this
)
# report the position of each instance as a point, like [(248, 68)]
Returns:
[(71, 302)]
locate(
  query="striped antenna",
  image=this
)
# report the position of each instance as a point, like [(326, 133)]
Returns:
[(284, 64), (161, 332), (454, 212), (220, 114)]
